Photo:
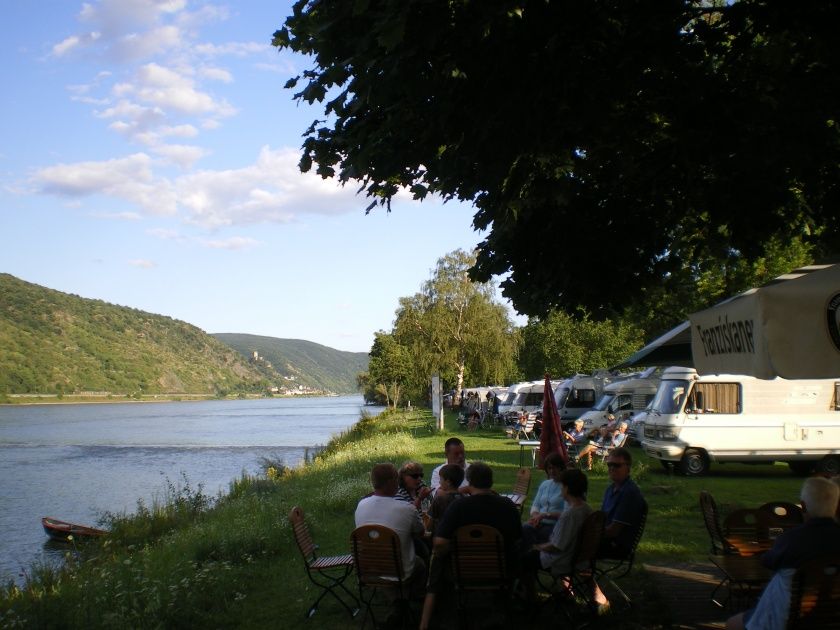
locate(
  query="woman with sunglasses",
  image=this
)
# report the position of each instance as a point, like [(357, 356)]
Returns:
[(412, 489)]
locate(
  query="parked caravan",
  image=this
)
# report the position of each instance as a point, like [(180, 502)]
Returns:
[(506, 405), (623, 399), (696, 420), (578, 394)]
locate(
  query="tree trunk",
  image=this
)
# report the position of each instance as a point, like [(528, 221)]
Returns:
[(459, 383)]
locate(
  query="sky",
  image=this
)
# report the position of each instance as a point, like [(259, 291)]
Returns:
[(148, 158)]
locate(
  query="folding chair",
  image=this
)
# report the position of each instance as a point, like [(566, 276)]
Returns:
[(526, 431), (479, 566), (579, 580), (521, 487), (815, 595), (379, 567), (612, 569), (326, 572)]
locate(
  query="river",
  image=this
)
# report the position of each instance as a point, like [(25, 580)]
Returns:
[(76, 462)]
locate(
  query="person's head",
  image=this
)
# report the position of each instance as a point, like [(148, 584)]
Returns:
[(579, 424), (554, 466), (618, 464), (575, 483), (452, 475), (411, 473), (480, 476), (622, 426), (383, 478), (454, 450), (819, 497)]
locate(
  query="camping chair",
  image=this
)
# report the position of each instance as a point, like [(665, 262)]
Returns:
[(815, 595), (526, 431), (325, 572), (580, 579), (605, 451), (479, 565), (379, 567), (611, 569), (520, 488)]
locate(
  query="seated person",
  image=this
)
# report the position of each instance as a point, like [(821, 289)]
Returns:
[(548, 503), (556, 554), (604, 445), (819, 535), (380, 508), (451, 477), (575, 436), (484, 507), (454, 451), (412, 489), (473, 421)]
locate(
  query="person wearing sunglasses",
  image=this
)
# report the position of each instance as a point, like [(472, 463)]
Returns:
[(412, 488), (623, 505)]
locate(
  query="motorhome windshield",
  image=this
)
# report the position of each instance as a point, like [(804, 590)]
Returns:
[(561, 399), (528, 399), (670, 397), (604, 402)]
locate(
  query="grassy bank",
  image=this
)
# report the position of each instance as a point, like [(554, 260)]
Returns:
[(198, 561)]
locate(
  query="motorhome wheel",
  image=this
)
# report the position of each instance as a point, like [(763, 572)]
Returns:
[(829, 465), (694, 463), (801, 468)]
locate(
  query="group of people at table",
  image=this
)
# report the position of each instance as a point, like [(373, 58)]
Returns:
[(426, 517)]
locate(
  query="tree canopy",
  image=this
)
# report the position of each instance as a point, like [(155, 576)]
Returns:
[(609, 147)]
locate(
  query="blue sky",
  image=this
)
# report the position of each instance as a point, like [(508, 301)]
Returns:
[(148, 158)]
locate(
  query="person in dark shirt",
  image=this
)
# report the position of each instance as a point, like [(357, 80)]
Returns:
[(818, 536)]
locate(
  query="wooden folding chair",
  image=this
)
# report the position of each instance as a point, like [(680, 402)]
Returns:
[(326, 572), (815, 595), (479, 565), (521, 487), (378, 559), (611, 569)]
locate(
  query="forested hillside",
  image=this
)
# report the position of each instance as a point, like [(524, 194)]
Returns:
[(306, 362), (53, 342)]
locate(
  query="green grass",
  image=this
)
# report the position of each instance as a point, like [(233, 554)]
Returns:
[(196, 561)]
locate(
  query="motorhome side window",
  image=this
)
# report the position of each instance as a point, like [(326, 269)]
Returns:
[(581, 398), (714, 398)]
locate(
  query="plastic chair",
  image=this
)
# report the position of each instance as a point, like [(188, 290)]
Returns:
[(612, 569), (326, 572), (815, 595), (378, 560)]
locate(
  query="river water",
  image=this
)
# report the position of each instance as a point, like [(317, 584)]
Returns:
[(76, 462)]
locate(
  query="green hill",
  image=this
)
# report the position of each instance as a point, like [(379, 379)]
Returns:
[(53, 342), (305, 362)]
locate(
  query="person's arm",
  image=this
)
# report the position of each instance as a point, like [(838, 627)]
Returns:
[(441, 546)]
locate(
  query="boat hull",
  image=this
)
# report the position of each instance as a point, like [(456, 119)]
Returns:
[(65, 532)]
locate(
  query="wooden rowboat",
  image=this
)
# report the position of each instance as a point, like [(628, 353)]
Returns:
[(64, 531)]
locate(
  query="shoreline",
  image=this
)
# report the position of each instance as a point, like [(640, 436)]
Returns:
[(76, 399)]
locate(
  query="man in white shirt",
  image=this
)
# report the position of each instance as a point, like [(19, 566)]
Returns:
[(455, 454), (380, 508)]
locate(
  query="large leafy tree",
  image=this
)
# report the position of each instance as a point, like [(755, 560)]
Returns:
[(455, 328), (389, 370), (563, 345), (644, 141)]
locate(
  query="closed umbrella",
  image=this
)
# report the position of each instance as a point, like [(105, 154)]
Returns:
[(551, 438), (789, 327)]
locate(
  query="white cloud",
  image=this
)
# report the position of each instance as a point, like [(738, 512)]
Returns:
[(234, 243), (237, 49), (119, 216), (128, 178), (142, 263), (216, 74), (165, 234), (184, 155)]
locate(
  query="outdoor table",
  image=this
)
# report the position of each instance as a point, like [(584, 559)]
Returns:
[(534, 445)]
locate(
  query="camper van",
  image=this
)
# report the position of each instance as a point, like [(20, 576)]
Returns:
[(578, 394), (623, 399), (696, 420), (509, 403)]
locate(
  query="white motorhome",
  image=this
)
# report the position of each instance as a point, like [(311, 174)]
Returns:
[(506, 405), (623, 399), (578, 394), (696, 420)]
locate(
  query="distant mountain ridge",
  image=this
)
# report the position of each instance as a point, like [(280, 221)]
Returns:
[(302, 362), (57, 343)]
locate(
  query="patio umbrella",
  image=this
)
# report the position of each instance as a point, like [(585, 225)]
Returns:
[(551, 437), (789, 327)]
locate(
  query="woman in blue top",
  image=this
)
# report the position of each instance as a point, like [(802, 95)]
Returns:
[(548, 503)]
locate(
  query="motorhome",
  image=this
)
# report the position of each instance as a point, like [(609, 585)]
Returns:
[(578, 394), (623, 399), (697, 420), (507, 404)]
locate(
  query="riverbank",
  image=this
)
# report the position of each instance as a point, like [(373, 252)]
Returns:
[(232, 562), (69, 399)]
